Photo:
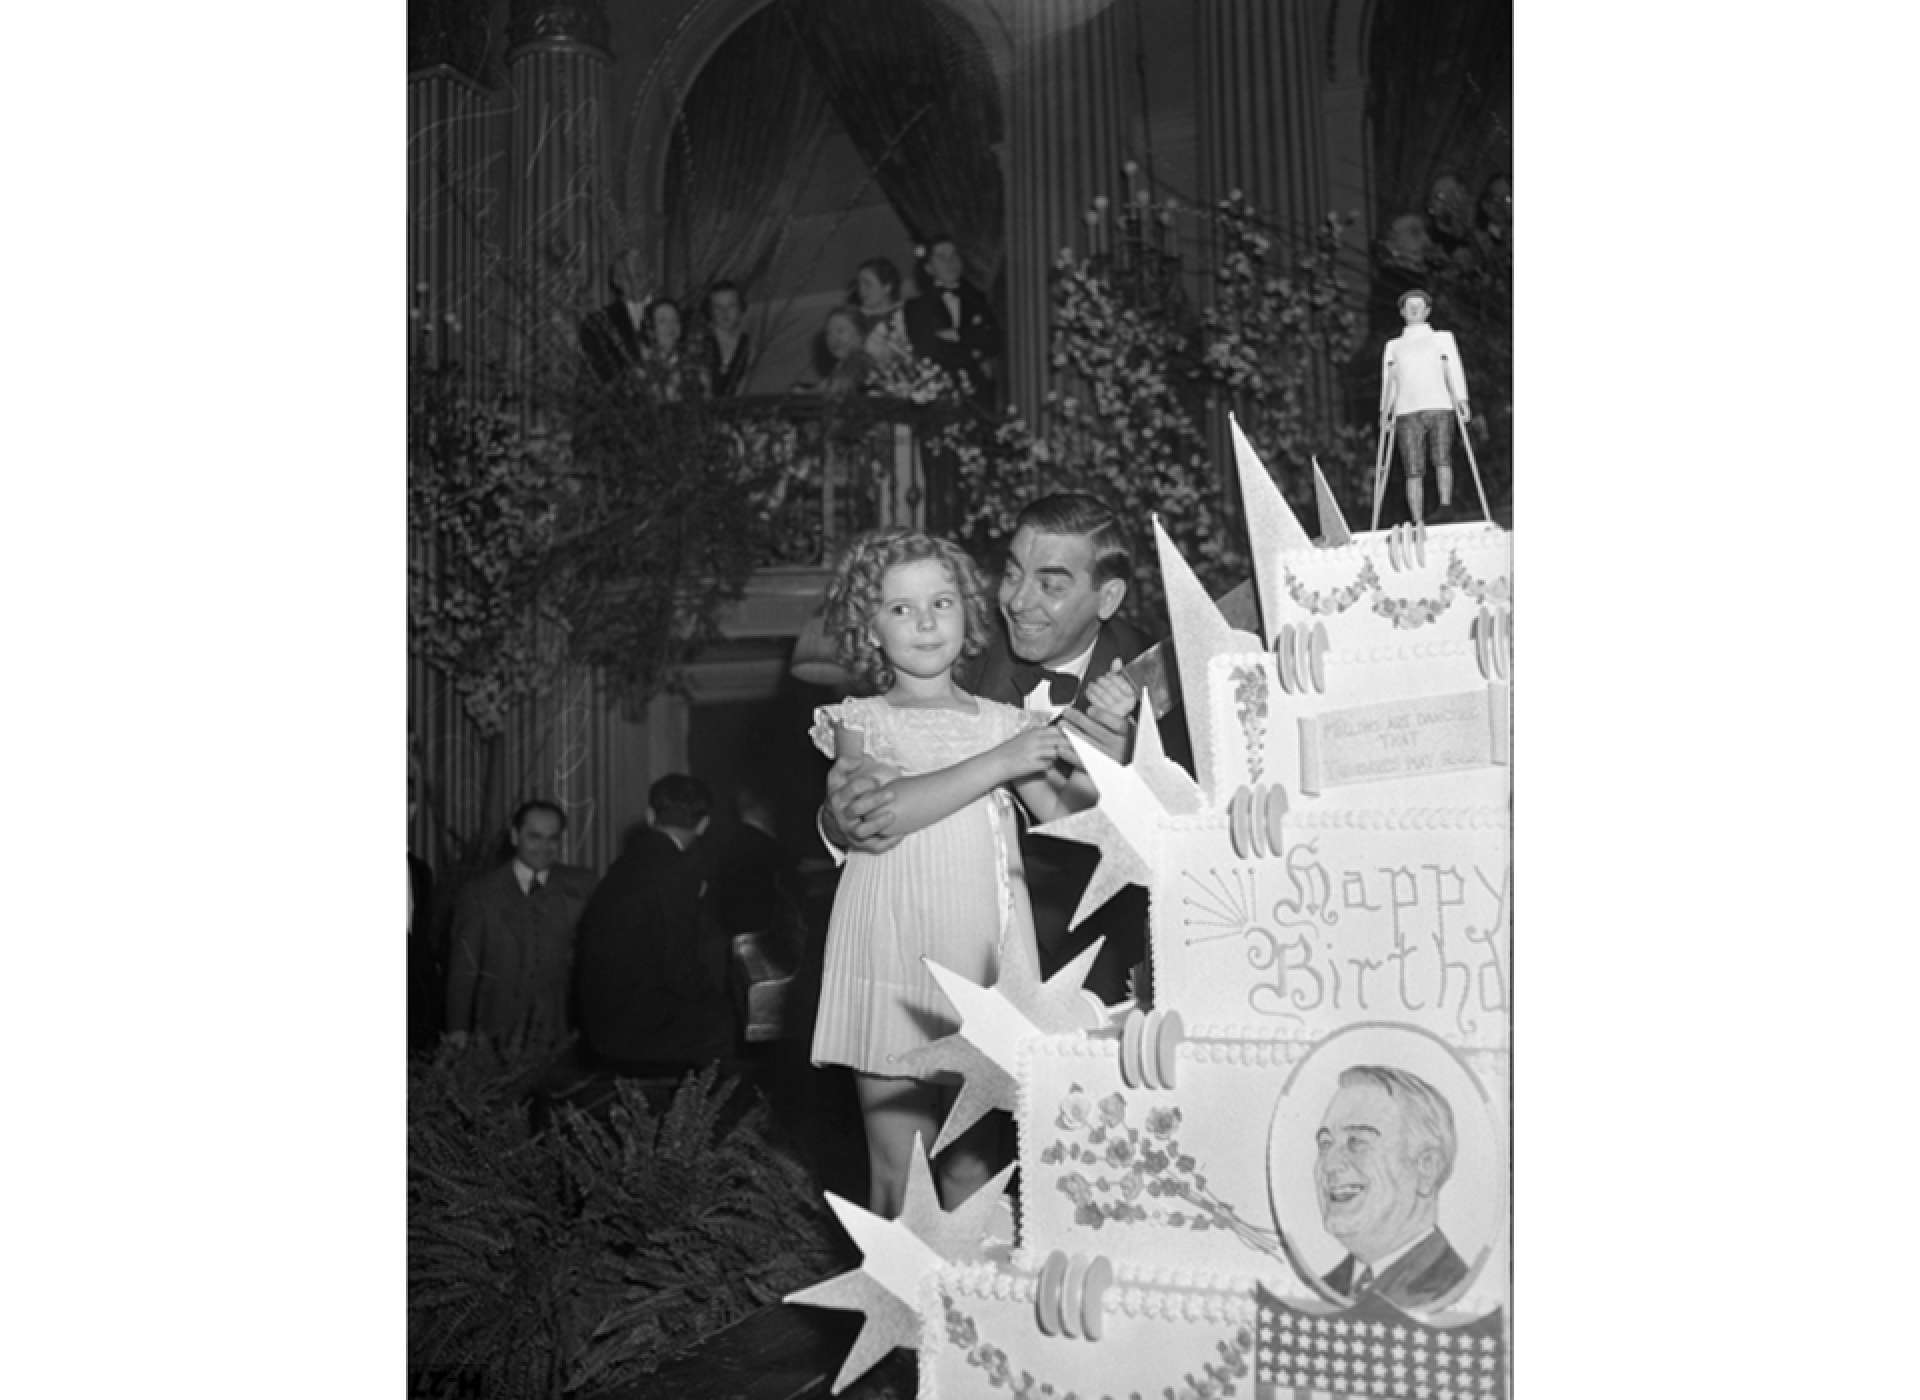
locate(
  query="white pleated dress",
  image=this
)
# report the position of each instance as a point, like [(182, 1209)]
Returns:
[(952, 891)]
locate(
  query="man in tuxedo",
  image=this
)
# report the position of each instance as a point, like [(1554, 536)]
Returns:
[(610, 337), (1067, 572), (951, 322), (1385, 1148), (511, 950), (651, 977)]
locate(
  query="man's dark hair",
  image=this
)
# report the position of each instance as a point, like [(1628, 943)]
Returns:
[(538, 804), (886, 269), (679, 801), (725, 284), (1076, 513)]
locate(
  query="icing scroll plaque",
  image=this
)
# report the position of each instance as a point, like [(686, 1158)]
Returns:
[(1405, 738)]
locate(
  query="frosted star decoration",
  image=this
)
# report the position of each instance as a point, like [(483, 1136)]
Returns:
[(1178, 793), (1123, 826), (994, 1021), (896, 1256), (1200, 633), (1333, 525)]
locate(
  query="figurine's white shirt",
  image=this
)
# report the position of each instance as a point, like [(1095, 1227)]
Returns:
[(1424, 362)]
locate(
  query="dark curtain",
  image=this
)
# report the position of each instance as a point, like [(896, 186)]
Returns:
[(912, 85), (743, 152), (1440, 97)]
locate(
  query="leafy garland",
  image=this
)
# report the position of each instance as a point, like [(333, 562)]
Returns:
[(1338, 600), (591, 526), (484, 497)]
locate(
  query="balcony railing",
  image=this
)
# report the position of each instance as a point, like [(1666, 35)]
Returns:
[(846, 464)]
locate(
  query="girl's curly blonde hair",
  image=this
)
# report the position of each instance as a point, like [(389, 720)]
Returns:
[(854, 597)]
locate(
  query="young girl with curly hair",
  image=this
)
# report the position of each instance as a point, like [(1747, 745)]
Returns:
[(904, 608)]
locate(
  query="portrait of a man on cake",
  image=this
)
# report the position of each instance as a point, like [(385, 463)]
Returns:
[(1385, 1149)]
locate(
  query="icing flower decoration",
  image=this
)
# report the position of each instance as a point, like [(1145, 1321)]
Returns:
[(1074, 1109), (1163, 1122)]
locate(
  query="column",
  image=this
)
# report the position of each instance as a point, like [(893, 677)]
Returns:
[(1066, 124), (454, 170), (557, 65), (1261, 80), (1261, 94)]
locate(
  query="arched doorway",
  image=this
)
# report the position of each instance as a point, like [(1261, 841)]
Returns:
[(819, 133)]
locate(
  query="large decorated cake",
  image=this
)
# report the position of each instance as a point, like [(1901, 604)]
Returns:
[(1287, 1175)]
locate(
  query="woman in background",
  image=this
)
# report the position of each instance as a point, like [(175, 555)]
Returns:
[(876, 290), (667, 364)]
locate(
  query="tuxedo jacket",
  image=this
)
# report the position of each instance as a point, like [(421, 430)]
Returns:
[(610, 341), (510, 953), (928, 315), (1418, 1278), (1058, 871), (724, 378), (650, 976)]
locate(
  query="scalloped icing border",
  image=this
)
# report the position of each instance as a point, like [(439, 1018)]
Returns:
[(1321, 817)]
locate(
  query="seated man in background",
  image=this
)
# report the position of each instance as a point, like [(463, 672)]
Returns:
[(650, 979)]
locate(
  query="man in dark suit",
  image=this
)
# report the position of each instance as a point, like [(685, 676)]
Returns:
[(511, 950), (610, 337), (951, 322), (1067, 572), (752, 879), (651, 976), (1385, 1148)]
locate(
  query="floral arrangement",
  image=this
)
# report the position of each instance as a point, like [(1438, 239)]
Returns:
[(1250, 705), (1139, 1172), (484, 499)]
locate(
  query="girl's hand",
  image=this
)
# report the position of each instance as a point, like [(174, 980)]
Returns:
[(1035, 751)]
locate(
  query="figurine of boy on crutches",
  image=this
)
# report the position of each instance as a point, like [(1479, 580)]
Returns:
[(1423, 390)]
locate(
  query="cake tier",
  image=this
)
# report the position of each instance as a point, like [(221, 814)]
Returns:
[(988, 1330), (1385, 585), (1186, 1161), (1386, 666), (981, 1335), (1413, 724)]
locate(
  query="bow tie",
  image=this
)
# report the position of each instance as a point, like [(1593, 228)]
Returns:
[(948, 287), (1062, 687)]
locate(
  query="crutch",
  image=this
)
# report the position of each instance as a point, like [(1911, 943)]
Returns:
[(1466, 438), (1382, 462)]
